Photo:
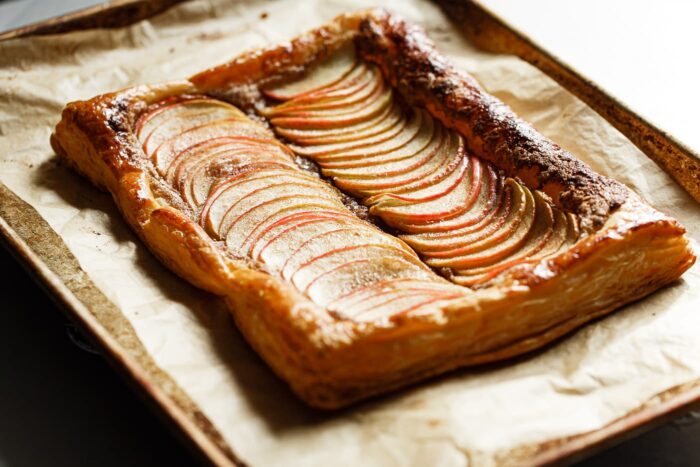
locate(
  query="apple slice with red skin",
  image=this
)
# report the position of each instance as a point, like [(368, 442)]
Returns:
[(355, 93), (261, 222), (197, 189), (362, 129), (278, 225), (189, 137), (360, 74), (223, 196), (175, 124), (519, 218), (344, 106), (358, 273), (269, 232), (407, 157), (255, 193), (325, 248), (545, 238), (407, 170), (372, 106), (450, 204), (298, 239), (196, 175), (327, 150), (448, 157), (486, 201), (272, 241), (359, 296), (326, 73), (486, 223), (256, 218), (429, 192), (415, 128), (156, 115), (495, 247), (262, 149)]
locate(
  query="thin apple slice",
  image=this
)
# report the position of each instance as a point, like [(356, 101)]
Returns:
[(236, 187), (358, 78), (323, 249), (169, 149), (408, 157), (372, 106), (416, 127), (261, 149), (488, 200), (360, 272), (256, 193), (486, 223), (430, 192), (359, 75), (298, 239), (361, 295), (538, 240), (493, 248), (271, 231), (362, 129), (194, 176), (154, 116), (183, 120), (442, 165), (355, 94), (275, 238), (450, 204), (239, 230), (326, 73), (326, 150)]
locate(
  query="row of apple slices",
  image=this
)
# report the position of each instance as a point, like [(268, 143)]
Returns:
[(455, 210), (248, 192)]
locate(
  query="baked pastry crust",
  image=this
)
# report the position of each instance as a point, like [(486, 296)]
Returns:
[(630, 250)]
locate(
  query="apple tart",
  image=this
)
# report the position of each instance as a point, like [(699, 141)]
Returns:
[(369, 214)]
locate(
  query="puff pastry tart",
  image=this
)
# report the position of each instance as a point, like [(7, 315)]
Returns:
[(369, 214)]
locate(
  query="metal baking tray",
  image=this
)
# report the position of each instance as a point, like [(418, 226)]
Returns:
[(48, 260)]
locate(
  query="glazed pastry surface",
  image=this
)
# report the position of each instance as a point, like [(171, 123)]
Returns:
[(370, 216)]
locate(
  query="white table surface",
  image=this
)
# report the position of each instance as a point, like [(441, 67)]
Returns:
[(62, 406)]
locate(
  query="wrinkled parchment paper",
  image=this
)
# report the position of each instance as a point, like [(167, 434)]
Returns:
[(599, 374)]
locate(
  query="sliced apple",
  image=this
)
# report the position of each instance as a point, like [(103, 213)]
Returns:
[(358, 273), (191, 136), (493, 248), (362, 129), (432, 191), (355, 94), (272, 231), (488, 200), (321, 247), (324, 74), (374, 105), (255, 193), (450, 203), (177, 108), (359, 296)]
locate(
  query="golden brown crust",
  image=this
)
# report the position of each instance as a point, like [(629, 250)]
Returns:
[(329, 361)]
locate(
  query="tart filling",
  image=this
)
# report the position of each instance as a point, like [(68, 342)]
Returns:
[(462, 216), (246, 191)]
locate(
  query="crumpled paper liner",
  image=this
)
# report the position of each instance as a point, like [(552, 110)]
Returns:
[(472, 416)]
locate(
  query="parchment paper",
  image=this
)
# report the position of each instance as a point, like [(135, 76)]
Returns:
[(586, 381)]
